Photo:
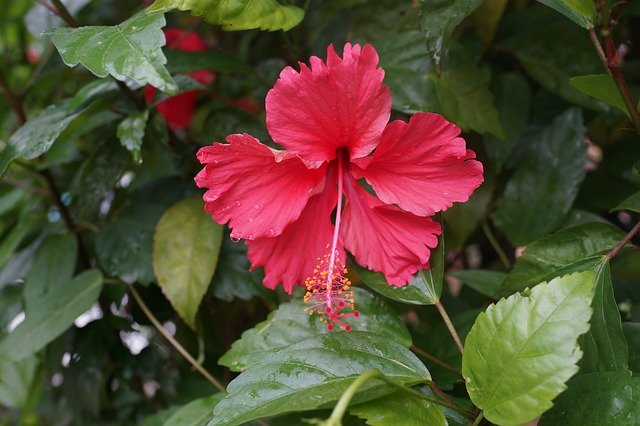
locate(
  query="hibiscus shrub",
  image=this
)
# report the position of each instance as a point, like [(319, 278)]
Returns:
[(324, 211)]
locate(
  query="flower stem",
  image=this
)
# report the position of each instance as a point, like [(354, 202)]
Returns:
[(343, 403), (494, 243), (624, 242), (478, 419), (435, 360), (173, 341), (450, 327)]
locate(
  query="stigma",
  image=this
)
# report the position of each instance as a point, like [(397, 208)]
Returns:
[(329, 292)]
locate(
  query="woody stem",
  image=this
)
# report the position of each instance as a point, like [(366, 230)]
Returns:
[(336, 231)]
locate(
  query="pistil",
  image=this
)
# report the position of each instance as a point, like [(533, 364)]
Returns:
[(328, 289)]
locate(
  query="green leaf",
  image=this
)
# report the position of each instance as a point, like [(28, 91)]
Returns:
[(91, 90), (10, 305), (233, 277), (131, 132), (601, 87), (597, 399), (399, 410), (53, 267), (51, 315), (631, 204), (314, 373), (483, 281), (195, 413), (522, 350), (434, 276), (632, 335), (186, 245), (604, 345), (417, 292), (559, 250), (16, 380), (124, 243), (439, 19), (551, 64), (130, 50), (460, 93), (183, 61), (37, 135), (290, 324), (542, 189), (15, 236), (513, 100), (237, 15), (582, 12)]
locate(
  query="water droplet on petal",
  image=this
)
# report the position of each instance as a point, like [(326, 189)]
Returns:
[(250, 237), (238, 203), (257, 207), (216, 162), (272, 232), (250, 218), (235, 240)]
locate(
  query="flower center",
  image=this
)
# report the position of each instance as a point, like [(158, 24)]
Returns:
[(328, 289)]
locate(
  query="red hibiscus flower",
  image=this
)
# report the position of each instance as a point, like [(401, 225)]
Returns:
[(178, 110), (332, 119)]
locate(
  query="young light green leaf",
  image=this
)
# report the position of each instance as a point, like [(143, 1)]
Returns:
[(439, 19), (562, 249), (51, 315), (521, 350), (290, 324), (597, 399), (631, 204), (548, 180), (195, 413), (186, 246), (131, 132), (604, 345), (601, 87), (37, 135), (237, 15), (53, 267), (399, 409), (582, 12), (130, 50), (314, 373)]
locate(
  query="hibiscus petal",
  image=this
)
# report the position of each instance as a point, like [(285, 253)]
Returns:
[(384, 238), (177, 111), (422, 166), (258, 190), (339, 104), (292, 256)]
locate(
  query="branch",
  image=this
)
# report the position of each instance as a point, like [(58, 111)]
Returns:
[(624, 242), (174, 342), (14, 102), (450, 327)]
